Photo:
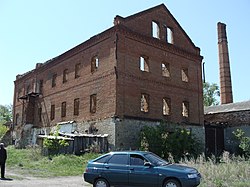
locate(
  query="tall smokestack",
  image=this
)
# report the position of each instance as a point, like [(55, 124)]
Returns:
[(226, 94)]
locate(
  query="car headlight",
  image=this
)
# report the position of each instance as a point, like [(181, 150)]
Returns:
[(193, 175)]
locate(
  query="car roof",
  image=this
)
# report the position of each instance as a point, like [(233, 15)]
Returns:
[(128, 152)]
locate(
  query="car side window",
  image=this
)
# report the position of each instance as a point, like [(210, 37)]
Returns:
[(119, 159), (137, 160), (103, 159)]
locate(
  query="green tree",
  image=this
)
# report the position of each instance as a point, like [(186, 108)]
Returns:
[(5, 116), (211, 93), (244, 141)]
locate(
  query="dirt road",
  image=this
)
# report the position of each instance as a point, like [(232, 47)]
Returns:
[(15, 180)]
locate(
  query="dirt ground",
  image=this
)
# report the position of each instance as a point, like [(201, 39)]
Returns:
[(17, 180)]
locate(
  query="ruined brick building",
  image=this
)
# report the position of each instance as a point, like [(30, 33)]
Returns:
[(143, 70)]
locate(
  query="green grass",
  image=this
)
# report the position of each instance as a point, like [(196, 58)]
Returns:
[(31, 162), (230, 172)]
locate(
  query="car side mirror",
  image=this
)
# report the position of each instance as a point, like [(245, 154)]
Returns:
[(148, 164)]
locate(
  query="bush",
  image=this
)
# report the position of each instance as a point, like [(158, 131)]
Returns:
[(244, 142), (179, 144)]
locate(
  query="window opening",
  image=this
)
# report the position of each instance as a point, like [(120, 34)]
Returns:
[(40, 114), (155, 30), (40, 86), (165, 69), (54, 80), (94, 64), (52, 112), (76, 106), (137, 160), (63, 109), (144, 66), (119, 159), (77, 70), (170, 38), (93, 103), (185, 109), (166, 106), (144, 102), (65, 75), (184, 75)]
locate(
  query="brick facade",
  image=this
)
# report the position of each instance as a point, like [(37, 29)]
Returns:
[(103, 74)]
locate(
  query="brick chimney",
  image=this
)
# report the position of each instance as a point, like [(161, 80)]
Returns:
[(226, 94)]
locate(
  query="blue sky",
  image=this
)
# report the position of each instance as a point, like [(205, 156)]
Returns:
[(35, 31)]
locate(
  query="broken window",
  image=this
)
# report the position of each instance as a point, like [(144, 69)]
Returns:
[(63, 109), (77, 70), (144, 102), (165, 69), (144, 66), (185, 109), (155, 30), (94, 64), (65, 75), (93, 103), (54, 80), (169, 37), (76, 106), (17, 119), (184, 75), (166, 106), (52, 112), (40, 114), (28, 89)]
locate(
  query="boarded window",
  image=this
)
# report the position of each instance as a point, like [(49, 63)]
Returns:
[(94, 63), (76, 106), (144, 102), (170, 37), (144, 65), (93, 103), (54, 80), (40, 114), (185, 109), (77, 70), (166, 108), (63, 109), (155, 30), (52, 112), (165, 69), (65, 75), (184, 75)]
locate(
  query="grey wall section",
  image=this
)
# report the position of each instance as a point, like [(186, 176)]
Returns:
[(231, 143)]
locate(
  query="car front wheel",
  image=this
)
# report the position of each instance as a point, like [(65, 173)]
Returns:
[(101, 183), (172, 183)]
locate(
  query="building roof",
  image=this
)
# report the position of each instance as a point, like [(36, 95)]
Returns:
[(231, 107)]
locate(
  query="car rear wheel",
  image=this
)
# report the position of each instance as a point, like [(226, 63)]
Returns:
[(101, 183), (172, 183)]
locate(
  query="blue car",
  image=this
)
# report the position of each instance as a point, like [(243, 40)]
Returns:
[(138, 168)]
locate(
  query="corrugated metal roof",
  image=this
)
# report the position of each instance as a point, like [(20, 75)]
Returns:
[(231, 107)]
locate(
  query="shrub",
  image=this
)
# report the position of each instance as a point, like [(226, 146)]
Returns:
[(180, 143), (244, 141)]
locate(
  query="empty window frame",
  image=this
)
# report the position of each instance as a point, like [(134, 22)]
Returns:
[(165, 69), (77, 70), (144, 102), (93, 103), (53, 80), (170, 35), (52, 112), (185, 109), (184, 75), (94, 63), (166, 106), (28, 89), (65, 75), (40, 114), (144, 65), (63, 109), (40, 86), (76, 106), (155, 30)]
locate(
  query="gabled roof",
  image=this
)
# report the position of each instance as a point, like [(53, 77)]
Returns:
[(231, 107), (155, 9)]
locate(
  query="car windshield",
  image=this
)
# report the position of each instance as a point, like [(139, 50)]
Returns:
[(156, 160)]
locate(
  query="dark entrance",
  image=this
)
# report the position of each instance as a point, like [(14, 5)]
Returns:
[(214, 140)]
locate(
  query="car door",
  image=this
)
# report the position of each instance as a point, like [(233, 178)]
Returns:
[(116, 169), (141, 175)]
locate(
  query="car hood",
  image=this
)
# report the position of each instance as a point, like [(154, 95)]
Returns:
[(178, 168)]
